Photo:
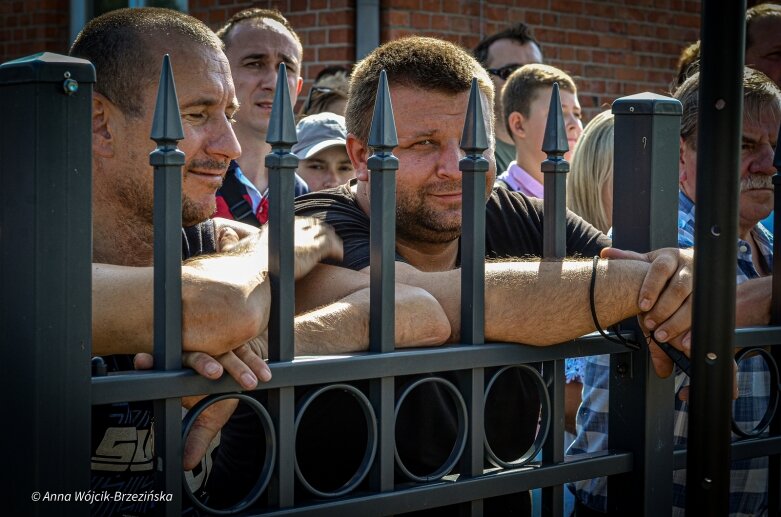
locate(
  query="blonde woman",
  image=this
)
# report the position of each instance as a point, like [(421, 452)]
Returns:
[(590, 181)]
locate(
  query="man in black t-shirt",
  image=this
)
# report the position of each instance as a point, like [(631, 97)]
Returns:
[(429, 83), (527, 301)]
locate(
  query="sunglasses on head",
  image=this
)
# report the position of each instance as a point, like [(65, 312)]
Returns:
[(318, 90), (505, 71)]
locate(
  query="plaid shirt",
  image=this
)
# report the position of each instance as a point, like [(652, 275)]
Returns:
[(748, 478)]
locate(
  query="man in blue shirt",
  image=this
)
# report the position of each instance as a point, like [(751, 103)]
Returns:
[(748, 485)]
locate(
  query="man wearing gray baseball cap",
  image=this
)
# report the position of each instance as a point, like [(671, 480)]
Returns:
[(322, 152)]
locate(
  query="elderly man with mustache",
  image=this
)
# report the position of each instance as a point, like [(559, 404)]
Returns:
[(748, 478)]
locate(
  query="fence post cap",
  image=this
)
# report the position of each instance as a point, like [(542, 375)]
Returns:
[(46, 67), (647, 103)]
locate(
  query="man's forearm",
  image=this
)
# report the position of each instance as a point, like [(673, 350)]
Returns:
[(225, 302), (540, 303), (343, 327)]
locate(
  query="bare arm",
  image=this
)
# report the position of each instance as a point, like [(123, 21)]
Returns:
[(225, 297), (542, 303), (344, 326), (538, 303)]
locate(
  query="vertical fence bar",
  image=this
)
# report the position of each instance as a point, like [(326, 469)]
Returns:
[(720, 121), (167, 161), (555, 169), (774, 465), (45, 277), (473, 167), (645, 213), (281, 164), (382, 234)]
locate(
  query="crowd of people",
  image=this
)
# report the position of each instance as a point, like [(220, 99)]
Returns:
[(226, 82)]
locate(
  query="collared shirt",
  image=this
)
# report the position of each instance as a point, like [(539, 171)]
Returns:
[(748, 478), (251, 194), (521, 181)]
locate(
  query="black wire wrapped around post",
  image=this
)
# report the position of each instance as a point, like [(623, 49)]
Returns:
[(713, 315), (774, 468), (281, 165), (473, 167), (382, 171), (554, 170), (167, 161)]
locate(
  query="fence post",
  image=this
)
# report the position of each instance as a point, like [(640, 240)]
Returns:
[(382, 234), (167, 161), (720, 117), (554, 243), (645, 213), (473, 167), (45, 278), (281, 164)]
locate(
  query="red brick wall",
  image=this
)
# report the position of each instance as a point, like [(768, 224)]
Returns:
[(611, 47), (30, 26)]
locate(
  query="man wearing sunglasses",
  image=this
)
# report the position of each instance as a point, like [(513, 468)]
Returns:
[(502, 54)]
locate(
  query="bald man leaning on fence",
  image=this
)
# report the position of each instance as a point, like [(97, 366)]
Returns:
[(225, 295), (433, 77)]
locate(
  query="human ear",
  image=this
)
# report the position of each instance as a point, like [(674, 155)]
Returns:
[(517, 124), (359, 155), (682, 161), (102, 124)]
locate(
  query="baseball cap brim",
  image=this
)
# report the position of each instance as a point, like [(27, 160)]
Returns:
[(308, 152)]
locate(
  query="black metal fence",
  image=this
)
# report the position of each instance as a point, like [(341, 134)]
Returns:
[(45, 273)]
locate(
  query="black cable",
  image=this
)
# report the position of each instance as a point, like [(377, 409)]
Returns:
[(678, 357)]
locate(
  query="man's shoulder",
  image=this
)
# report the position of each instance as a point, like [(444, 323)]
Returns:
[(329, 203)]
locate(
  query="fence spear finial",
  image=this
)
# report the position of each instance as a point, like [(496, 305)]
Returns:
[(282, 125), (474, 139), (555, 140), (167, 123), (383, 129)]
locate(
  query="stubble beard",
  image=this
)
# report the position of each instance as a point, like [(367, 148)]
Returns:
[(415, 221)]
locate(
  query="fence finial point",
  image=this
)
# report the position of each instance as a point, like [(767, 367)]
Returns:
[(383, 130), (281, 124), (167, 123), (555, 140), (474, 138)]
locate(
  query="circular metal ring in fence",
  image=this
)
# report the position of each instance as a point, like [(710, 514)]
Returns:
[(270, 451), (323, 466), (514, 433), (425, 407), (758, 380)]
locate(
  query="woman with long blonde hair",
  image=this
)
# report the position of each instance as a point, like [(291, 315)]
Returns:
[(590, 181)]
